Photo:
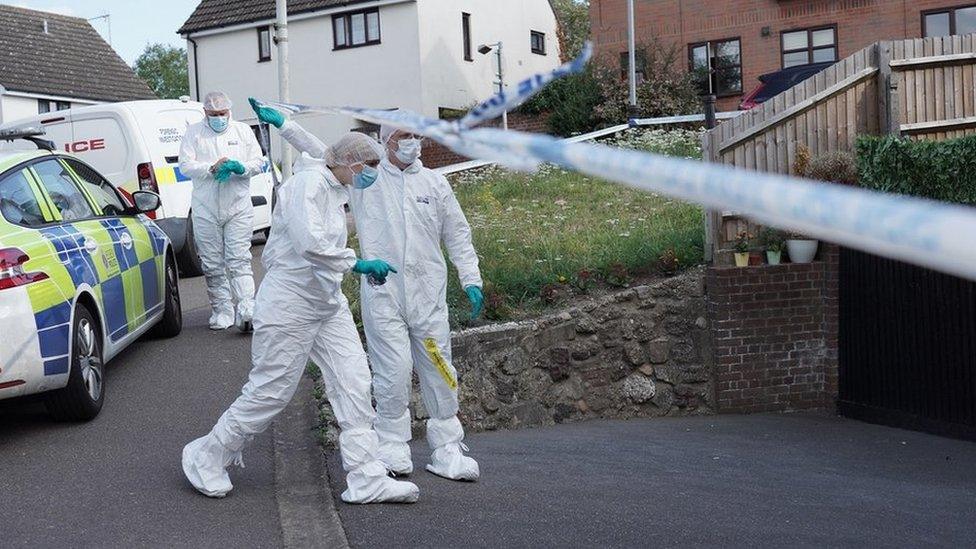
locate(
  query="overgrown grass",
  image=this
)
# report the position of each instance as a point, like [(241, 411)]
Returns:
[(561, 233)]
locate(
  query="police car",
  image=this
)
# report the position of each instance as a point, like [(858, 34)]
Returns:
[(84, 272)]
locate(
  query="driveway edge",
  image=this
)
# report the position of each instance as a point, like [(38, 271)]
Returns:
[(306, 507)]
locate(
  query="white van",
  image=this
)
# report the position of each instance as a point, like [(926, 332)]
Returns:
[(136, 145)]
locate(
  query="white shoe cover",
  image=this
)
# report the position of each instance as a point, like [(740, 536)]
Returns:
[(243, 323), (395, 457), (449, 462), (205, 463), (370, 484), (221, 320)]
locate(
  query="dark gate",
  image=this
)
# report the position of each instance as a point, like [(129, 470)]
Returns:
[(907, 353)]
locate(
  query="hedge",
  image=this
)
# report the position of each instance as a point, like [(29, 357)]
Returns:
[(941, 170)]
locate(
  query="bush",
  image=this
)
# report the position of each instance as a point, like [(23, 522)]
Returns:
[(598, 97), (835, 167), (570, 102), (941, 170), (667, 88)]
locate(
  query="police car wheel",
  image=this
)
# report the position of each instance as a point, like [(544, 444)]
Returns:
[(172, 322), (188, 258), (82, 398)]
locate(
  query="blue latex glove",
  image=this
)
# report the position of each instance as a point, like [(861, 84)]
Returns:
[(377, 268), (227, 168), (477, 300), (267, 114)]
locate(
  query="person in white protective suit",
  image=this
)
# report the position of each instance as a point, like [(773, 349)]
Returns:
[(220, 155), (301, 314), (406, 217)]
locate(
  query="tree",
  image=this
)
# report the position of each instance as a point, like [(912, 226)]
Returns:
[(163, 68), (574, 26)]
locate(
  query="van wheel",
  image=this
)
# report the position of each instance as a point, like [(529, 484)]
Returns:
[(188, 258), (172, 322), (82, 398)]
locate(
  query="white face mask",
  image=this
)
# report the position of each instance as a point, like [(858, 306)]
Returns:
[(408, 151)]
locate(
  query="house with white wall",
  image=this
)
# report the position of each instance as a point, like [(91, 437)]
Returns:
[(51, 62), (420, 55)]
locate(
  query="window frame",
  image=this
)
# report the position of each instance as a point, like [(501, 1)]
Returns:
[(467, 44), (951, 10), (810, 47), (99, 212), (346, 18), (261, 57), (711, 70), (532, 35), (32, 168)]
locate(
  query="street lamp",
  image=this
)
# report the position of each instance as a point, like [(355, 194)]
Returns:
[(485, 49)]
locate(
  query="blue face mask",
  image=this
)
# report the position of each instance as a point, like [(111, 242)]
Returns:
[(365, 178), (218, 123)]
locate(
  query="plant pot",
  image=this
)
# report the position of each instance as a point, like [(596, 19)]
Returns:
[(802, 251), (773, 258), (755, 258), (741, 259)]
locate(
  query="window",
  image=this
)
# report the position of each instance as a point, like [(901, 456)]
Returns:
[(717, 67), (538, 40), (641, 65), (98, 188), (361, 28), (18, 203), (264, 44), (466, 36), (257, 135), (806, 46), (45, 106), (67, 197), (949, 21)]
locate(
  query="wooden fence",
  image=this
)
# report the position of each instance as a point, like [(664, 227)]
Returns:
[(922, 88)]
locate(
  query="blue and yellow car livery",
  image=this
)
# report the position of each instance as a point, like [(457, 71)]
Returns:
[(69, 241)]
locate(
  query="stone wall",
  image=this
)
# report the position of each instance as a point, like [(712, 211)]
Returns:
[(642, 352)]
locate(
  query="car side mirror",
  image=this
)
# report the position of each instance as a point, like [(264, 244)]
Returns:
[(146, 201)]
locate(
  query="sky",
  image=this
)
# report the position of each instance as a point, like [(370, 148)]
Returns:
[(134, 23)]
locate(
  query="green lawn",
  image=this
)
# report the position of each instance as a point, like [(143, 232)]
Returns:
[(545, 237)]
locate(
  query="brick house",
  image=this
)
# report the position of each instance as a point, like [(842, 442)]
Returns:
[(729, 43)]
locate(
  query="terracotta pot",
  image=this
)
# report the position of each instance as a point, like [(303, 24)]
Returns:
[(755, 258)]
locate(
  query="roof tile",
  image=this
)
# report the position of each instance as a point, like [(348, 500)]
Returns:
[(71, 60)]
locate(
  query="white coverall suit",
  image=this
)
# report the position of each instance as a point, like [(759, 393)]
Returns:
[(223, 216), (404, 218), (301, 313)]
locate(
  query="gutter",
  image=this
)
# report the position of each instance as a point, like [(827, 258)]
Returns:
[(196, 63)]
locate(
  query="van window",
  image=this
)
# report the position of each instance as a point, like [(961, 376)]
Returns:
[(98, 187), (67, 197), (18, 204)]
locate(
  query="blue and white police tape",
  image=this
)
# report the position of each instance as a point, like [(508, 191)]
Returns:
[(931, 234)]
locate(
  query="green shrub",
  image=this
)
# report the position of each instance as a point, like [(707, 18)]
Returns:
[(835, 167), (570, 103), (941, 170)]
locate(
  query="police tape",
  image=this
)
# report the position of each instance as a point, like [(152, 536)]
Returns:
[(924, 232)]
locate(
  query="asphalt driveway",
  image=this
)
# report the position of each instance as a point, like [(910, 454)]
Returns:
[(796, 480)]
